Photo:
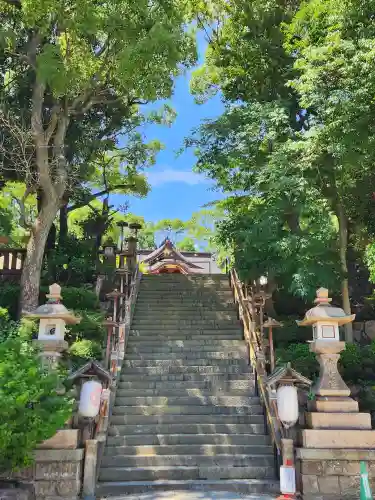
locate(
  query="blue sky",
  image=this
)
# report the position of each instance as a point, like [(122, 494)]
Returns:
[(177, 191)]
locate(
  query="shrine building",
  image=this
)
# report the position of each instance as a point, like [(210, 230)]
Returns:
[(168, 259)]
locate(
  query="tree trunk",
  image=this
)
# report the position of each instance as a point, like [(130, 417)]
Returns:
[(63, 234), (30, 279), (343, 240)]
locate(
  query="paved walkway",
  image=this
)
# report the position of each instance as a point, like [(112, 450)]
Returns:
[(193, 495)]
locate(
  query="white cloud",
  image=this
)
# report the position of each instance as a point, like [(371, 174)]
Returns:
[(169, 175)]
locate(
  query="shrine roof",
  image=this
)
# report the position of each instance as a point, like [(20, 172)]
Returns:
[(169, 253)]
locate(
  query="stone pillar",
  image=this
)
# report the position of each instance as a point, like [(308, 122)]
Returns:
[(330, 382), (89, 473), (131, 258)]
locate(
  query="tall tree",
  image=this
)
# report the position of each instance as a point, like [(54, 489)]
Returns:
[(74, 57)]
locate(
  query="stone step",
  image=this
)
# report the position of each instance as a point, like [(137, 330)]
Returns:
[(183, 362), (172, 439), (239, 353), (128, 430), (209, 287), (190, 449), (260, 488), (185, 303), (170, 335), (181, 324), (186, 419), (165, 370), (119, 409), (161, 314), (187, 387), (184, 472), (184, 377), (204, 339), (188, 460), (185, 346), (186, 392), (187, 400)]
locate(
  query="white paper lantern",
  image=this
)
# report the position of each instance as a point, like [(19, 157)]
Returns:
[(89, 402), (287, 405)]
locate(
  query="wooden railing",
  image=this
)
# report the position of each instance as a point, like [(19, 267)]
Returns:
[(123, 311), (252, 333), (11, 262)]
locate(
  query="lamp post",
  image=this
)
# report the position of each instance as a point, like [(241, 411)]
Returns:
[(270, 324)]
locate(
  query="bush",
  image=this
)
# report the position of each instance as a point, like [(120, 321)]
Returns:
[(31, 410), (83, 350), (75, 298), (90, 327), (71, 263), (300, 358), (290, 333), (9, 297)]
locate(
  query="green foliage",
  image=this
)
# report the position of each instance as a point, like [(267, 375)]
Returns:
[(301, 359), (76, 299), (89, 328), (9, 296), (82, 350), (186, 244), (290, 333), (72, 263), (31, 410)]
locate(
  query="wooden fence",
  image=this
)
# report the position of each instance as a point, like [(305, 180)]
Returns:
[(11, 263)]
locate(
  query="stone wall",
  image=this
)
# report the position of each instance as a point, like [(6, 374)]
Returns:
[(55, 475), (333, 474)]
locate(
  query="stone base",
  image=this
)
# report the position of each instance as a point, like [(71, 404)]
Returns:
[(65, 439), (333, 405), (55, 475), (338, 420), (331, 438), (332, 474)]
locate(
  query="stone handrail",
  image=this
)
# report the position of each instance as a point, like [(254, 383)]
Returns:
[(256, 357)]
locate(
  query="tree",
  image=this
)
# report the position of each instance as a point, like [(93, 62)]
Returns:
[(74, 58), (299, 118), (31, 410)]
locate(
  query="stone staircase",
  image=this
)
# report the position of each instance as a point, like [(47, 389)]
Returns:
[(186, 415)]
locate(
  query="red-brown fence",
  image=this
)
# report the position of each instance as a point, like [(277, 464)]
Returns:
[(11, 263)]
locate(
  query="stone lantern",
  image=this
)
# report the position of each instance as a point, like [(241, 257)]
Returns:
[(53, 317), (333, 419)]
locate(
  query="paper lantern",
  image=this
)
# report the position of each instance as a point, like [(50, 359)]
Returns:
[(89, 402), (287, 405)]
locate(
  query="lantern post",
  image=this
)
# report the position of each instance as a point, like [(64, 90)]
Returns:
[(282, 385), (269, 325), (53, 317)]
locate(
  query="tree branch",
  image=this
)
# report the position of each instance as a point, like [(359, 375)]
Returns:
[(98, 194), (53, 123), (14, 3), (21, 203)]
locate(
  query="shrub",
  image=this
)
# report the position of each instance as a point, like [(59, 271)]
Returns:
[(31, 410), (9, 297), (75, 298), (290, 333), (83, 350), (90, 327), (300, 358)]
